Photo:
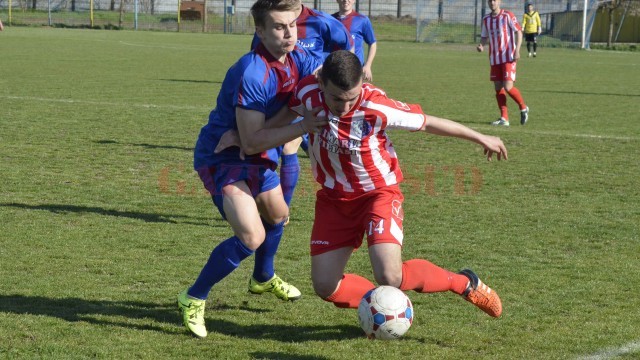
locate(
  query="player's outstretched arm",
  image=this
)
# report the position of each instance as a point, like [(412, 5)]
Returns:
[(444, 127)]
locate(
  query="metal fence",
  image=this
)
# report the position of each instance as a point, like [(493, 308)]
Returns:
[(440, 21)]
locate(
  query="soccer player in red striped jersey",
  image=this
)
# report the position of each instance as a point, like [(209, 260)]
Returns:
[(354, 161), (356, 165), (503, 33)]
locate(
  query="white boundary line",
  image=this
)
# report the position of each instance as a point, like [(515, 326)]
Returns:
[(104, 103), (592, 136), (188, 107), (630, 348)]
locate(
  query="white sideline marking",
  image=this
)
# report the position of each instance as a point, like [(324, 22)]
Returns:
[(607, 137), (188, 107), (104, 103), (614, 352), (175, 47)]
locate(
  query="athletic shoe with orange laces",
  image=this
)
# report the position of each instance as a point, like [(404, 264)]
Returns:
[(480, 295)]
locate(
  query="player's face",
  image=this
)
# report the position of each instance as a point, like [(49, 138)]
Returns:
[(345, 5), (530, 7), (339, 101), (279, 34), (494, 5)]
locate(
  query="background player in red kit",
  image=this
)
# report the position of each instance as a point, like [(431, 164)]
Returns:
[(501, 30), (355, 163)]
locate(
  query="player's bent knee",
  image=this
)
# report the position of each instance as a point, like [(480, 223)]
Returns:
[(278, 219), (324, 289), (252, 240), (389, 278)]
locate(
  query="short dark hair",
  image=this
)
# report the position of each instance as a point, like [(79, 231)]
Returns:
[(261, 8), (343, 68)]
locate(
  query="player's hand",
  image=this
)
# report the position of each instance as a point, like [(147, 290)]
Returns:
[(311, 122), (493, 145), (479, 47), (229, 138), (366, 74)]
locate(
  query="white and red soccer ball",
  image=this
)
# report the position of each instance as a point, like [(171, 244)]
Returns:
[(385, 313)]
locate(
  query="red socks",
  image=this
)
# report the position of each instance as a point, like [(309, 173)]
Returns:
[(351, 290), (417, 275), (501, 97), (422, 276), (515, 95)]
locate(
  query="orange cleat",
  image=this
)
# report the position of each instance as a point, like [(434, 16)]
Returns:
[(480, 295)]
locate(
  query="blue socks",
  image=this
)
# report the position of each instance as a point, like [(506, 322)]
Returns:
[(289, 173), (225, 258), (228, 255), (263, 269)]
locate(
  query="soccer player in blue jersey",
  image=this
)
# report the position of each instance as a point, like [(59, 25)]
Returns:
[(319, 34), (361, 31), (246, 189)]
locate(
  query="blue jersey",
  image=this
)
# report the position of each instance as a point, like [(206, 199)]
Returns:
[(319, 34), (361, 31), (257, 82)]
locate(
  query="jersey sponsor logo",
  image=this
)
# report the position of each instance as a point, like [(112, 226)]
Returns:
[(288, 83), (330, 141), (306, 45), (319, 242)]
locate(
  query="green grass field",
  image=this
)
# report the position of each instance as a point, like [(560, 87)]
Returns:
[(103, 221)]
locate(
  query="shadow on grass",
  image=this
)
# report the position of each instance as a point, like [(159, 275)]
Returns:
[(147, 217), (98, 312), (93, 312), (285, 332), (146, 146), (193, 81)]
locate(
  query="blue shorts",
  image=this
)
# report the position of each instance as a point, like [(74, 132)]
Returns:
[(259, 178)]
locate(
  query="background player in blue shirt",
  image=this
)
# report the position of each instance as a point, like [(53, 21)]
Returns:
[(246, 190), (361, 31), (319, 34)]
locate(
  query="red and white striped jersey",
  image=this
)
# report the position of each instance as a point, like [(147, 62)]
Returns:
[(353, 154), (501, 33)]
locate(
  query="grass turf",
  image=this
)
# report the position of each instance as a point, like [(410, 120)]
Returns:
[(104, 222)]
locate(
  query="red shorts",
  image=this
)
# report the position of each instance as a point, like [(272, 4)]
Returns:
[(503, 72), (342, 222)]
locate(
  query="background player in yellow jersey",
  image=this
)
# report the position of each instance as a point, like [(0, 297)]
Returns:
[(532, 27)]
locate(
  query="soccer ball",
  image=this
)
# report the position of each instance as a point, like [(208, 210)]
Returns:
[(385, 313)]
